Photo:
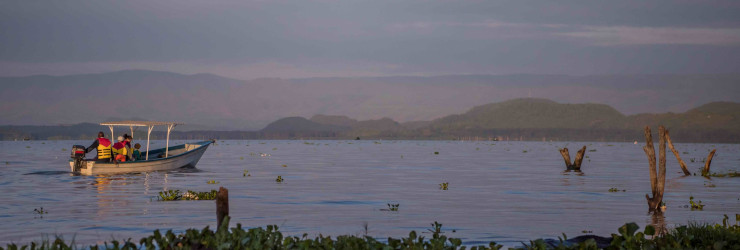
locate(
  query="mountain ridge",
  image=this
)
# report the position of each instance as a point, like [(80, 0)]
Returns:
[(521, 118)]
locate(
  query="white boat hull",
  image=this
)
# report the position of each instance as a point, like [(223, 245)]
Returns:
[(189, 157)]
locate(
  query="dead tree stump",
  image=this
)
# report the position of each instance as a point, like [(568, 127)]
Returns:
[(657, 180), (705, 172), (579, 158), (675, 152), (222, 206)]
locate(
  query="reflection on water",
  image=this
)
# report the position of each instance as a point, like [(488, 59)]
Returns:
[(502, 191)]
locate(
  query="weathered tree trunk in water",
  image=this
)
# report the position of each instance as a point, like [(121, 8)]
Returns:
[(579, 158), (675, 152), (222, 206), (566, 156), (657, 176), (705, 172)]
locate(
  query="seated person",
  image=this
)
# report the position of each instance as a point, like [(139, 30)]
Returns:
[(120, 150), (136, 154)]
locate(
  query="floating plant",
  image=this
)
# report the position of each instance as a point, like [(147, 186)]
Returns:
[(616, 190), (212, 182), (40, 210), (695, 205), (279, 179), (443, 185)]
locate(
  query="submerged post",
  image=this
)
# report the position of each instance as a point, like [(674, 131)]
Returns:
[(222, 205)]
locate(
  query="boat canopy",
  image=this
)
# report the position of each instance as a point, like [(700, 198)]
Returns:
[(150, 126)]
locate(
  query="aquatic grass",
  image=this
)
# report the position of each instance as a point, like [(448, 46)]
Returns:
[(212, 182), (444, 185), (616, 190), (436, 152), (279, 179)]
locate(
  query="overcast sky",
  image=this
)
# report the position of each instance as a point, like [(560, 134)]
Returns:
[(291, 39)]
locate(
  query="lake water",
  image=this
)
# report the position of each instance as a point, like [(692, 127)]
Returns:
[(506, 192)]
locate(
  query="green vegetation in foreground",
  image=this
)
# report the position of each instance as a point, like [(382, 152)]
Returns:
[(174, 195), (693, 236)]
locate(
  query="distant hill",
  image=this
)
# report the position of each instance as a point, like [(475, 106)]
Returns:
[(517, 119), (536, 119), (210, 102), (533, 113)]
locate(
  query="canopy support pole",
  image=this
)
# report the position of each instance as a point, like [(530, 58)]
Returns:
[(147, 141), (112, 138), (167, 147)]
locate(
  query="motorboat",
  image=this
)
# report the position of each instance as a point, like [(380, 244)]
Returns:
[(162, 159)]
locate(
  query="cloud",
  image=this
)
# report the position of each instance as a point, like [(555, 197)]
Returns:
[(621, 35)]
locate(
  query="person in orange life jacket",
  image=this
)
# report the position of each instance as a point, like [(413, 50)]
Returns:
[(119, 150), (103, 146)]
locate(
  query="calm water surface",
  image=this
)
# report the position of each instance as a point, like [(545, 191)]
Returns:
[(506, 192)]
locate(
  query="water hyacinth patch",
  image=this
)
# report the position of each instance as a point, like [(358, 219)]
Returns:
[(174, 195), (695, 205)]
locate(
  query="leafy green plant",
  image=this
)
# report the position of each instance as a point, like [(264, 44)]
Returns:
[(444, 185), (279, 179), (436, 152), (695, 205), (169, 195), (192, 195)]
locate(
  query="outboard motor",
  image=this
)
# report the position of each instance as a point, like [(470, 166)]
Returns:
[(78, 156)]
